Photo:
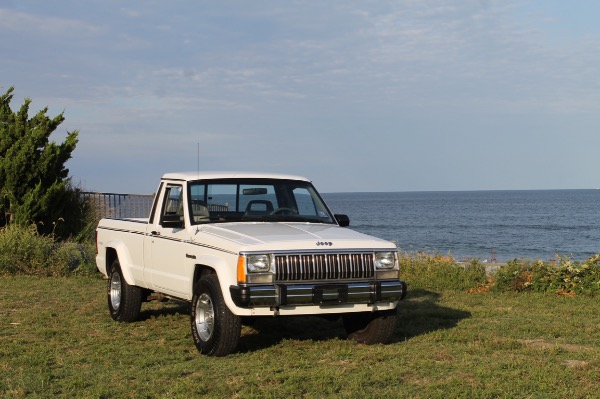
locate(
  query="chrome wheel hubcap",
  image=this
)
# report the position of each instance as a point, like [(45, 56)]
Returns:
[(115, 291), (205, 317)]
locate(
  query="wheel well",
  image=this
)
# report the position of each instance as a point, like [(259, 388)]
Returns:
[(111, 256), (201, 271)]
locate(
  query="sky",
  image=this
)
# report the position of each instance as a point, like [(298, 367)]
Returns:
[(405, 95)]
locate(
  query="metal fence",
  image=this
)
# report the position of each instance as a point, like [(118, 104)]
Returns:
[(112, 205)]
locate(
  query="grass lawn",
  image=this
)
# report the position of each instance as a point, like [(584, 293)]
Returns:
[(58, 340)]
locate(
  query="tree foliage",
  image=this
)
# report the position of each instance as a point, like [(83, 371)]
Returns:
[(34, 184)]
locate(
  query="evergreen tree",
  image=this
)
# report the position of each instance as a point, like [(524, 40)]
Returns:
[(34, 183)]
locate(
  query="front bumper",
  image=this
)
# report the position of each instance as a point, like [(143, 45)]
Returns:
[(317, 294)]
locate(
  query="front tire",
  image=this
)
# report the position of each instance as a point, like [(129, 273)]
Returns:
[(216, 331), (124, 300), (371, 328)]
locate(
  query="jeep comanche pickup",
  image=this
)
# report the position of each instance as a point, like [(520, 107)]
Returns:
[(245, 245)]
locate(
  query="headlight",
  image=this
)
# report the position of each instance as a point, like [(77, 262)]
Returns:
[(258, 263), (385, 260), (255, 269)]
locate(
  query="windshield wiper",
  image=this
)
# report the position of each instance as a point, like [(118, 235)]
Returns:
[(308, 220), (289, 218)]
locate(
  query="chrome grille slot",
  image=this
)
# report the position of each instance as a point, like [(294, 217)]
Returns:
[(332, 266), (320, 266), (324, 266)]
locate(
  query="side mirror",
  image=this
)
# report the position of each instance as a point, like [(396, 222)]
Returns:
[(171, 221), (343, 220)]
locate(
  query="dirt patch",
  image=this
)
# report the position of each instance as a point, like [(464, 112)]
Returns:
[(546, 344), (577, 364)]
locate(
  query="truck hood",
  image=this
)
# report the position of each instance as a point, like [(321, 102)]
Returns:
[(286, 236)]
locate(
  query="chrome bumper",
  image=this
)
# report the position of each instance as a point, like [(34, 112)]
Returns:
[(317, 294)]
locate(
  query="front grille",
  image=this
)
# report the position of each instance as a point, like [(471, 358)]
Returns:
[(324, 266)]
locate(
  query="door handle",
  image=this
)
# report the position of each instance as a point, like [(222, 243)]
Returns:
[(155, 233)]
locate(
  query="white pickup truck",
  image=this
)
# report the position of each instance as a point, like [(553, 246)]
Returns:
[(245, 245)]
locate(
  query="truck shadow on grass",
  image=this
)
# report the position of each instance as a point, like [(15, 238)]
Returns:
[(171, 307), (418, 314)]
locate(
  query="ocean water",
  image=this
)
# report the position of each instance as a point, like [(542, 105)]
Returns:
[(504, 225)]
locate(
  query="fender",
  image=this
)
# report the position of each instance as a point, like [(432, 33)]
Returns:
[(226, 275), (128, 268)]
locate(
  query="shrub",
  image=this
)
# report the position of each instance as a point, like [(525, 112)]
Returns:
[(437, 272), (515, 276), (562, 276), (24, 251), (34, 182)]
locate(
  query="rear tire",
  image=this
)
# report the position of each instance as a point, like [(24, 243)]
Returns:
[(124, 300), (215, 330), (371, 328)]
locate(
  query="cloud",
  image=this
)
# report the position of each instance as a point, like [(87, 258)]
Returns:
[(31, 24), (302, 85)]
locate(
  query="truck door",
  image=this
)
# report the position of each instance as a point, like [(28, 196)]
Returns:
[(167, 244)]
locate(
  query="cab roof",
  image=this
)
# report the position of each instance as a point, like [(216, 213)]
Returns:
[(189, 176)]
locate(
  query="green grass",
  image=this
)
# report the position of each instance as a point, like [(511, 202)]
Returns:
[(57, 340)]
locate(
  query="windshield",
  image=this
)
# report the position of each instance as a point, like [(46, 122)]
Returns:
[(254, 200)]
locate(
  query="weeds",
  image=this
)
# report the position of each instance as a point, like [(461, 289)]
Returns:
[(562, 276), (23, 251), (438, 272)]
